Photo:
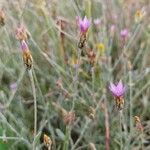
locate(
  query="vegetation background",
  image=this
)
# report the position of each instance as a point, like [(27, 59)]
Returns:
[(75, 109)]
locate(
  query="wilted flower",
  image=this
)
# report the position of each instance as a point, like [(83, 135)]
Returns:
[(91, 55), (124, 33), (21, 33), (139, 15), (27, 58), (118, 91), (2, 18), (84, 24), (69, 118)]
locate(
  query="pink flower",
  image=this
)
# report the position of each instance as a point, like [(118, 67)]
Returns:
[(118, 90), (124, 33), (84, 24), (24, 46)]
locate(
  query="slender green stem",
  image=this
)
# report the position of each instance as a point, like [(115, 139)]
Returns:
[(131, 116), (66, 142), (121, 141), (35, 105)]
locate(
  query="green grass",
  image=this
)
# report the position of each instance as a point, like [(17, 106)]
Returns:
[(84, 90)]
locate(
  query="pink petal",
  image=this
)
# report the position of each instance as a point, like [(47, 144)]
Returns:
[(112, 88)]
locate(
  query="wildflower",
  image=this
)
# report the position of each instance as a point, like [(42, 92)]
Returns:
[(47, 141), (2, 18), (138, 123), (84, 26), (118, 92), (100, 47), (27, 58), (124, 33), (22, 34)]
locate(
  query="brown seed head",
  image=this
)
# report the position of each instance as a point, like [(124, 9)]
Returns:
[(47, 140), (69, 118), (27, 59), (2, 17)]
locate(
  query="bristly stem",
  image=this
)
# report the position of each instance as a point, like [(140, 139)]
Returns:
[(35, 104)]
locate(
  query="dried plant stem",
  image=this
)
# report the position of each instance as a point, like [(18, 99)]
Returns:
[(35, 105), (141, 138)]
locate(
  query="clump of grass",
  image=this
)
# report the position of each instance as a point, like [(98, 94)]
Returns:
[(56, 67)]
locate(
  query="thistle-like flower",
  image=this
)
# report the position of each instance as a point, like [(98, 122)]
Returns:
[(124, 33), (84, 26), (118, 90), (27, 58)]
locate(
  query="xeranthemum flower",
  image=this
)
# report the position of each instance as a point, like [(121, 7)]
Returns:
[(118, 90), (84, 24)]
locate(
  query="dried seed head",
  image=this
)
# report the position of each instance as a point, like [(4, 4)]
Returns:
[(47, 141), (138, 124), (119, 103), (2, 18), (27, 59), (92, 56), (69, 118), (139, 15), (82, 40), (91, 113)]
